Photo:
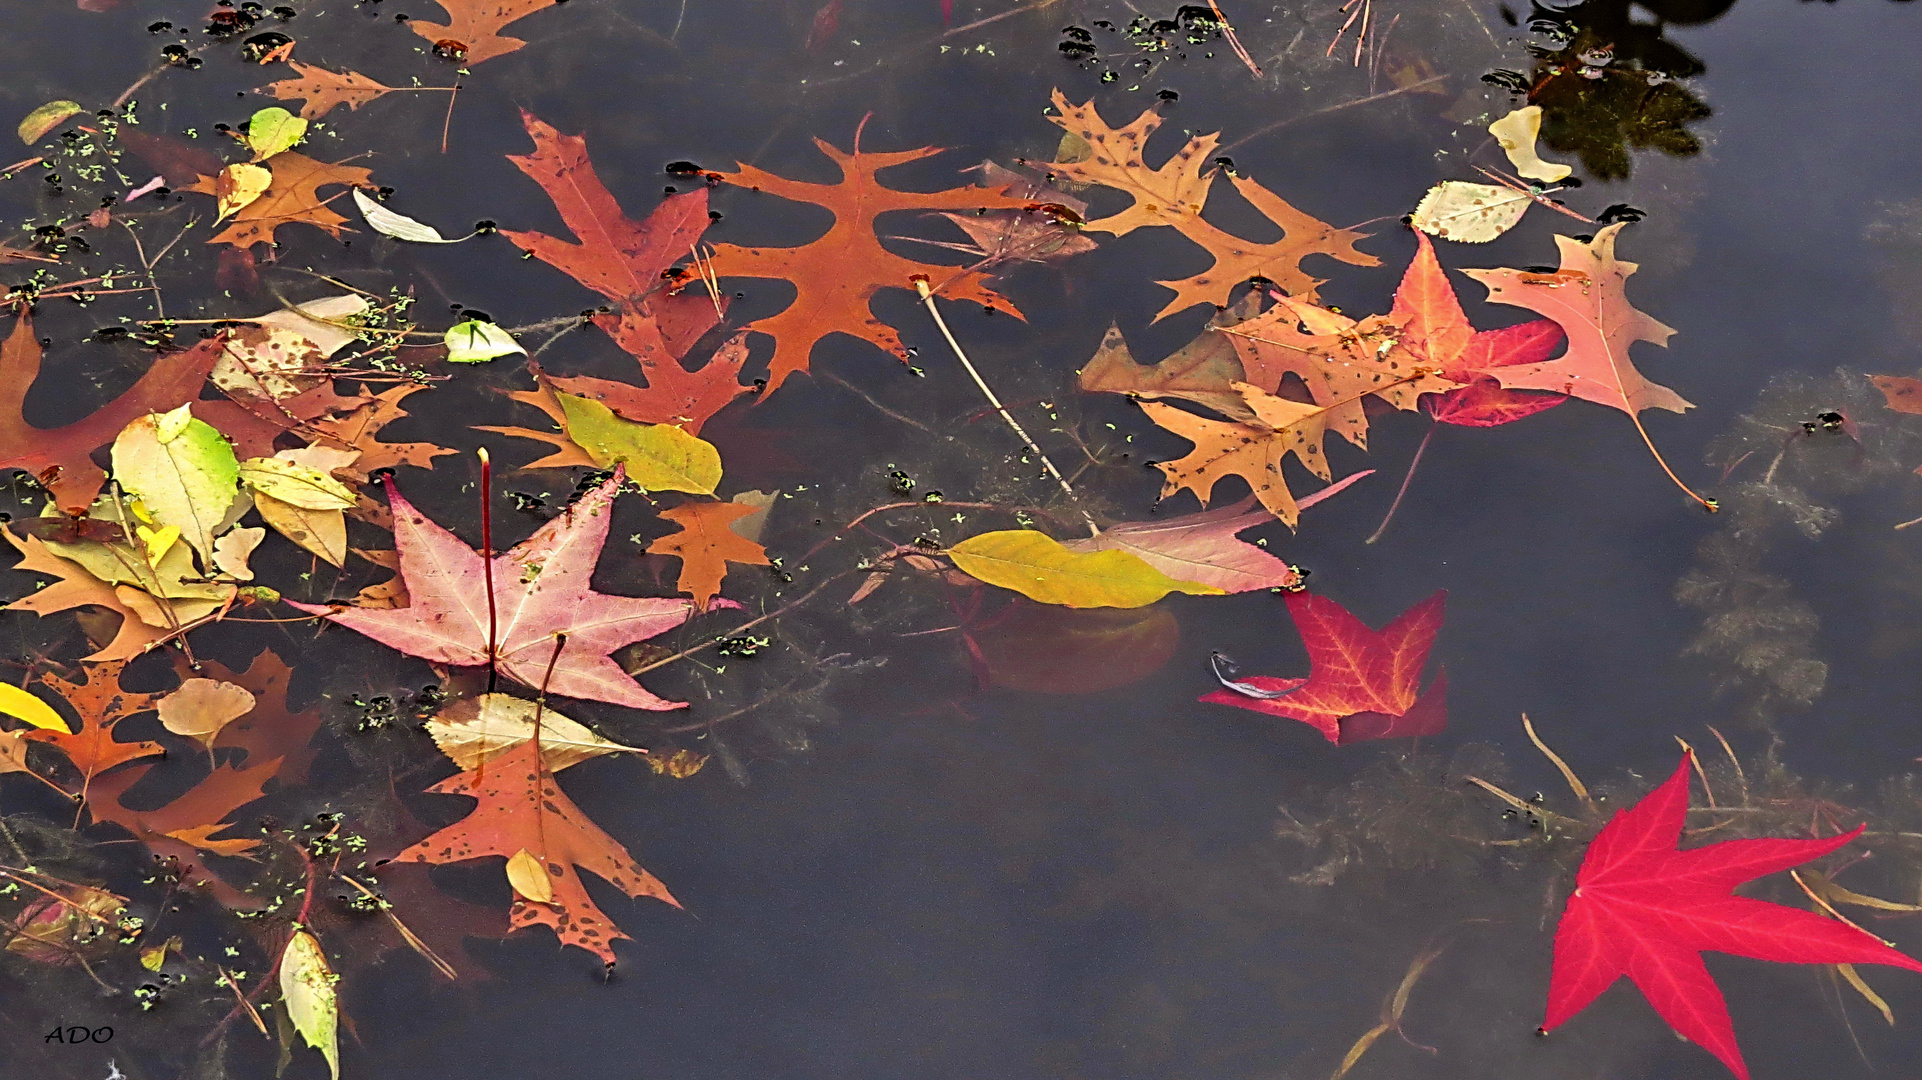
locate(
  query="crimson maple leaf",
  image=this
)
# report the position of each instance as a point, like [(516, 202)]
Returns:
[(1361, 683), (523, 812), (541, 592), (1645, 909), (1437, 332)]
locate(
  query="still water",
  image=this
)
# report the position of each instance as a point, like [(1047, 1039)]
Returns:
[(892, 866)]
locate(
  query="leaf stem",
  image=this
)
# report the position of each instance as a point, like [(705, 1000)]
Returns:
[(927, 297), (487, 565), (1659, 460), (1405, 481)]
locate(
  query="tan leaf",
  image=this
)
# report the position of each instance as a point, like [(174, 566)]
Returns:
[(322, 532), (529, 878), (201, 707), (476, 730)]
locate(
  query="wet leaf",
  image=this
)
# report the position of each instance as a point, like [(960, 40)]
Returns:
[(188, 480), (294, 484), (1469, 213), (200, 708), (1644, 909), (541, 589), (237, 187), (476, 730), (521, 808), (1201, 548), (706, 544), (1040, 568), (1202, 371), (308, 987), (399, 226), (35, 125), (322, 91), (1361, 683), (23, 705), (1516, 133), (322, 532), (1044, 649), (294, 196), (475, 26), (272, 130), (1254, 452), (529, 878), (678, 765), (1174, 195), (476, 342), (659, 457), (100, 703)]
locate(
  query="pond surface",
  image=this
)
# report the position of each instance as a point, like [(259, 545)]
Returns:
[(946, 832)]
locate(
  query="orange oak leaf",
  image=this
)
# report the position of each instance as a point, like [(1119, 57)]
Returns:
[(567, 453), (356, 430), (1199, 371), (472, 32), (521, 809), (632, 263), (705, 545), (184, 828), (836, 276), (62, 457), (1587, 296), (1174, 194), (78, 588), (1361, 683), (294, 196), (322, 91), (100, 703), (1253, 452), (1341, 360), (1901, 393)]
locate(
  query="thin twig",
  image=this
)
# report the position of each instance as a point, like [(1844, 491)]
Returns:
[(1279, 124), (1405, 481), (927, 297)]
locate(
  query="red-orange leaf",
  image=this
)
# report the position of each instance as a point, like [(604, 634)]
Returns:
[(62, 456), (521, 808), (1361, 683), (837, 275), (705, 545), (100, 703), (294, 196)]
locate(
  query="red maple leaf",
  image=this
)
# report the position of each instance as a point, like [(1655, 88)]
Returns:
[(1645, 909), (541, 591), (1435, 329), (522, 809), (1361, 683)]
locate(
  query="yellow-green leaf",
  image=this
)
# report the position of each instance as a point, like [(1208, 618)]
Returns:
[(1039, 568), (183, 472), (659, 457), (22, 705), (476, 342), (313, 1001), (237, 186), (272, 130), (295, 484), (45, 118)]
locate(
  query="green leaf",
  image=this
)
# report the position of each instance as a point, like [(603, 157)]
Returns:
[(313, 1001), (273, 130), (295, 484), (22, 705), (37, 123), (659, 457), (1039, 568), (474, 342), (189, 480)]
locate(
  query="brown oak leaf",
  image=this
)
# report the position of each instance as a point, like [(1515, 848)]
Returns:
[(100, 703), (706, 544), (472, 32), (322, 91), (294, 196), (1175, 193), (1252, 451)]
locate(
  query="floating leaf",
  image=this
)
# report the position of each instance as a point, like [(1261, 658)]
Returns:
[(659, 457), (529, 878), (201, 707), (322, 532), (37, 123), (238, 186), (1517, 133), (706, 544), (1470, 213), (401, 227), (188, 480), (22, 705), (272, 130), (475, 342), (313, 1001), (1039, 568), (476, 730), (294, 484)]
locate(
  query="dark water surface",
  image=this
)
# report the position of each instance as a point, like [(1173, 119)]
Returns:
[(911, 876)]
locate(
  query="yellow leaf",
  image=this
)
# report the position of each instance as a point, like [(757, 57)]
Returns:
[(1469, 213), (157, 541), (659, 457), (313, 1001), (22, 705), (529, 878), (1517, 133), (237, 186), (1039, 568)]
